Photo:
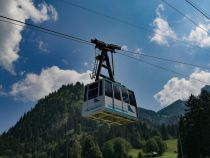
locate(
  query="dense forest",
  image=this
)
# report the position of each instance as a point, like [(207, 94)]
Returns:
[(55, 128), (194, 127)]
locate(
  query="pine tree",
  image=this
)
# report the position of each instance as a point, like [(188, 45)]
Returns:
[(161, 145), (164, 132), (108, 151), (195, 127), (151, 146), (205, 123), (90, 148), (116, 148), (180, 135), (75, 150)]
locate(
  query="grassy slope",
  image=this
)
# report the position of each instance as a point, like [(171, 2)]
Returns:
[(171, 144)]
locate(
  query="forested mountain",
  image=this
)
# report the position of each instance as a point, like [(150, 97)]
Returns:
[(55, 128), (206, 88), (194, 127), (148, 115), (177, 108), (168, 115)]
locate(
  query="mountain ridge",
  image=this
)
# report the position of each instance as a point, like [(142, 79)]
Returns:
[(206, 88), (167, 115), (51, 126), (176, 108)]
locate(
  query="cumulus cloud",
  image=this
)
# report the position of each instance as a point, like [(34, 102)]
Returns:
[(182, 88), (86, 63), (159, 9), (138, 52), (22, 73), (52, 13), (180, 66), (124, 47), (162, 31), (36, 86), (2, 92), (199, 37), (43, 46), (11, 35)]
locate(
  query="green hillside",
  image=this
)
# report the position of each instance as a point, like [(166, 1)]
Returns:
[(168, 115), (55, 128), (171, 151), (177, 108)]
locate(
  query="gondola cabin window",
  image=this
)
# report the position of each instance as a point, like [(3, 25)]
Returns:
[(125, 95), (132, 98), (85, 94), (108, 89), (93, 91), (117, 92), (101, 88)]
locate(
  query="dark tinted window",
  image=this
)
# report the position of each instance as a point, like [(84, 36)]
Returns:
[(108, 89), (101, 88), (93, 91), (125, 95), (85, 94), (93, 86), (132, 98), (117, 92)]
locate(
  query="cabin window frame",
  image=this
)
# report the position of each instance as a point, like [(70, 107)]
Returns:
[(101, 88), (118, 96), (125, 91), (85, 93), (110, 93), (96, 88), (132, 100)]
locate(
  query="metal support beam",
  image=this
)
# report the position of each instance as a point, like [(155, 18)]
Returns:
[(103, 58)]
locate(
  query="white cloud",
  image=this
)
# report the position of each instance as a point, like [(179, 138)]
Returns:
[(180, 66), (138, 52), (159, 9), (182, 88), (36, 86), (199, 37), (2, 92), (65, 61), (22, 73), (52, 12), (124, 47), (43, 46), (11, 35), (86, 64), (162, 31)]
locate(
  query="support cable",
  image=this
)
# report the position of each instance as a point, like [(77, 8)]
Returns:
[(77, 39), (197, 8), (108, 16), (185, 16), (163, 68), (166, 59), (47, 30)]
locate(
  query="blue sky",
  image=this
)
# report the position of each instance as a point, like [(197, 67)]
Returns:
[(32, 63)]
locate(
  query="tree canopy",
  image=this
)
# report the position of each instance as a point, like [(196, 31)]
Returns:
[(194, 127), (116, 148), (155, 144), (55, 127)]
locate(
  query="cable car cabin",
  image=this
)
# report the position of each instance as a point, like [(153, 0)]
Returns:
[(110, 102)]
